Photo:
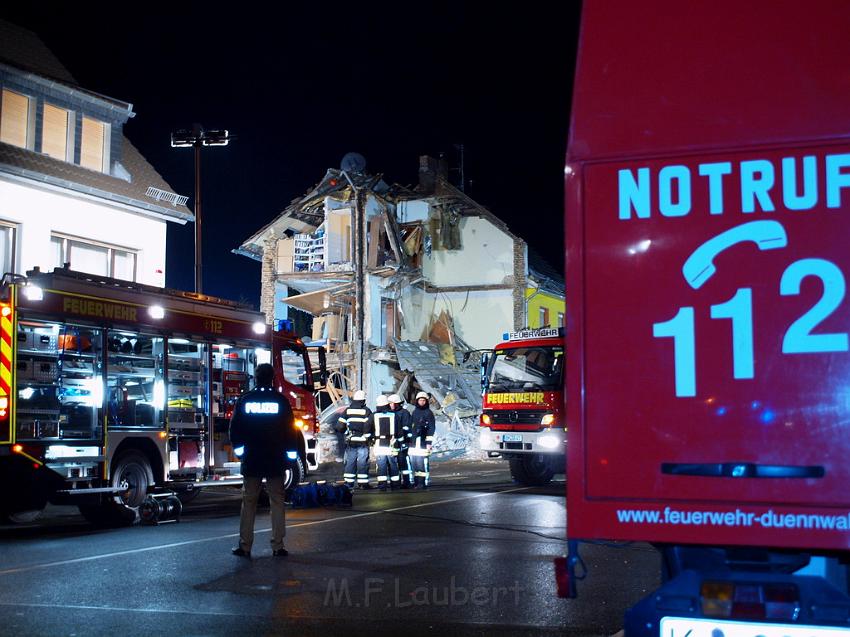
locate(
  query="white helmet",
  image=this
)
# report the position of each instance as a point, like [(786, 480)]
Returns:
[(359, 395), (395, 398), (381, 401), (422, 394)]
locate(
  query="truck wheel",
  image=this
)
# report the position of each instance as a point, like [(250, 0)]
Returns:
[(532, 470), (294, 475), (133, 472)]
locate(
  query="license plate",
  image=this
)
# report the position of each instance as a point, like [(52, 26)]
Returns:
[(686, 627), (511, 437)]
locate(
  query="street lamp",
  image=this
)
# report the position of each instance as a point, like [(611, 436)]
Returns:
[(198, 138)]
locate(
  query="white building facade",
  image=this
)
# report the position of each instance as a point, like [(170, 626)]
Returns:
[(73, 189)]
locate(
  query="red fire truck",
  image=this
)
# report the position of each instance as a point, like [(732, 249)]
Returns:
[(708, 401), (522, 417), (109, 390)]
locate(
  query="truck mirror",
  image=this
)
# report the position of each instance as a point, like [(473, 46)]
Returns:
[(485, 359)]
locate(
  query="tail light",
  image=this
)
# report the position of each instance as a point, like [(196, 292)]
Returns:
[(4, 418), (750, 600)]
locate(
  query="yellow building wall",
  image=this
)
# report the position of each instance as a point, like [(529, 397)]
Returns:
[(536, 300)]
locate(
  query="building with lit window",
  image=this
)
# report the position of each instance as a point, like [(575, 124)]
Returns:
[(73, 189)]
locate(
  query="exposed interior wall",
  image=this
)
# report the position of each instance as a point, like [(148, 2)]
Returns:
[(379, 381), (537, 300), (486, 257), (480, 317), (40, 212), (410, 211)]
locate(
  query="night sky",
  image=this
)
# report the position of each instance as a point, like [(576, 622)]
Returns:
[(300, 86)]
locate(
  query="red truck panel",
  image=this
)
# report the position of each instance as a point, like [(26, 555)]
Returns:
[(708, 381)]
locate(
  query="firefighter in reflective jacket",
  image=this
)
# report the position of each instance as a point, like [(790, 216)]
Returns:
[(404, 435), (355, 422), (423, 427), (385, 434)]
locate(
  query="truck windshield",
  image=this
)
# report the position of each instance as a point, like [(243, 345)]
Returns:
[(526, 369), (294, 367)]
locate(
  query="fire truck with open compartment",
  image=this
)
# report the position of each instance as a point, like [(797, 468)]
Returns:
[(522, 418), (110, 389)]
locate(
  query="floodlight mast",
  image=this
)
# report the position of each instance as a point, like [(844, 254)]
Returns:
[(198, 138)]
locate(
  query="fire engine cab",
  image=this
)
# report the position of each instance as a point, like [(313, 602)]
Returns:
[(110, 390), (522, 418)]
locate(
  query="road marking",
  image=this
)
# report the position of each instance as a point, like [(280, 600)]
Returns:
[(121, 609), (90, 558)]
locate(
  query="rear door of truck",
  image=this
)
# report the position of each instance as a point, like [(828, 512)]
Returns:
[(708, 253)]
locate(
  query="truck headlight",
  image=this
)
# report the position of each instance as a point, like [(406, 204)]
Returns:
[(485, 419), (548, 419), (548, 442), (239, 451)]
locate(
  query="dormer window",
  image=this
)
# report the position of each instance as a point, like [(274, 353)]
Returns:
[(16, 118), (94, 145), (57, 139)]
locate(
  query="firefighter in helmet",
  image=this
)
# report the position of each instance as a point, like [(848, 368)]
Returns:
[(385, 432), (355, 423), (423, 427), (403, 436)]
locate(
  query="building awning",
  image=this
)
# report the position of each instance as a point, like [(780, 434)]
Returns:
[(329, 299)]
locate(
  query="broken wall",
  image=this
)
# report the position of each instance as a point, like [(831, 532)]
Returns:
[(480, 316), (485, 258)]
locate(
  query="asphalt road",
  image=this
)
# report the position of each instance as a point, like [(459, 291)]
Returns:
[(470, 556)]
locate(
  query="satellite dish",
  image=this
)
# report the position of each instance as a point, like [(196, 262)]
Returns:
[(353, 163)]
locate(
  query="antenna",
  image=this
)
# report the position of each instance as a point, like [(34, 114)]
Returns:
[(459, 148)]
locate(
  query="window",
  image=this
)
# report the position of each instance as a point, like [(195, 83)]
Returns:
[(560, 319), (526, 369), (16, 119), (7, 247), (544, 317), (294, 367), (95, 258), (55, 133), (94, 145)]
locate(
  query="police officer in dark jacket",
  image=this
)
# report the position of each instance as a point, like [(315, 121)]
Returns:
[(262, 425), (404, 436), (356, 423), (423, 427)]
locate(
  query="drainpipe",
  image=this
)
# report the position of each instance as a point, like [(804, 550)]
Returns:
[(358, 234)]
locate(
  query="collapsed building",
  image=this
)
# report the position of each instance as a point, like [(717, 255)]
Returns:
[(405, 287)]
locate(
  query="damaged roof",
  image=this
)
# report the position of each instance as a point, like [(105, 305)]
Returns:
[(456, 387), (549, 279), (306, 213)]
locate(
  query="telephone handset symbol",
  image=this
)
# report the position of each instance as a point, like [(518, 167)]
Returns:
[(699, 267)]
